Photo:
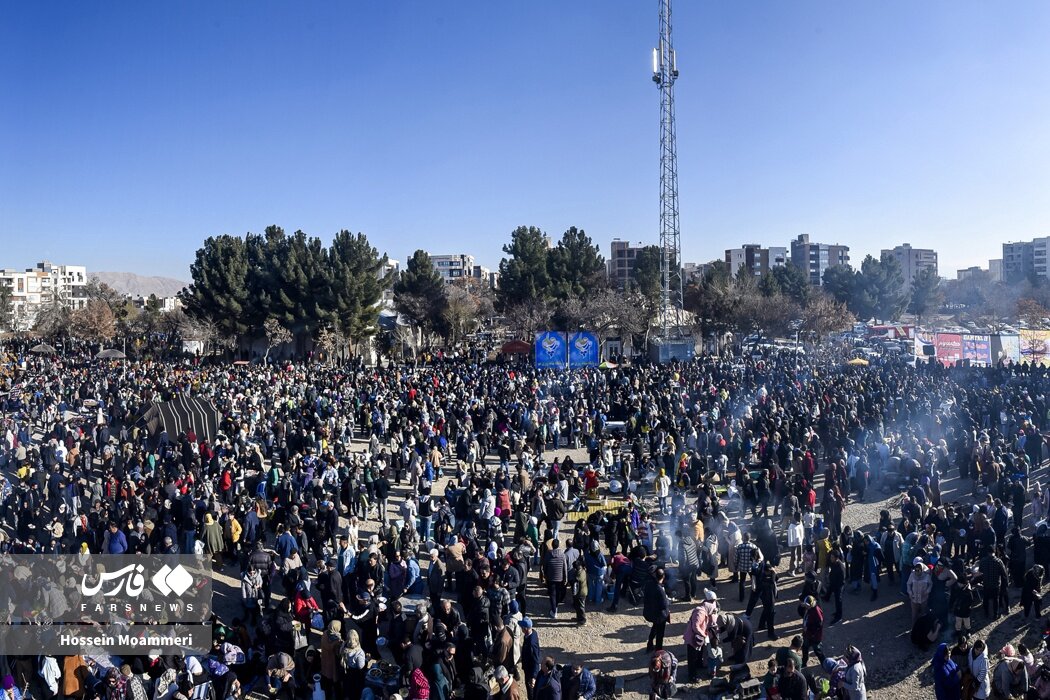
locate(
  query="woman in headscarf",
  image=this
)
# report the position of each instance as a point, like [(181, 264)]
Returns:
[(856, 674), (419, 686), (946, 677), (116, 685), (353, 662), (331, 643), (10, 690)]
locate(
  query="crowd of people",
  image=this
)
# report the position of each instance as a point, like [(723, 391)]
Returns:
[(412, 531)]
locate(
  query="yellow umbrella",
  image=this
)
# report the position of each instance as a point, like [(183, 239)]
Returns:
[(858, 362)]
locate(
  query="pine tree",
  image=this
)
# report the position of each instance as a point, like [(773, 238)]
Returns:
[(420, 295), (575, 267), (524, 277)]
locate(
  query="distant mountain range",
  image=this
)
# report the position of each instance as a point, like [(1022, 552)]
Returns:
[(139, 285)]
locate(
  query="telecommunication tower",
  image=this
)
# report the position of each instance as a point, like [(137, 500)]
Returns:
[(665, 72)]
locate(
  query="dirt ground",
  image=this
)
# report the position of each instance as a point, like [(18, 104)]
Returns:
[(615, 643)]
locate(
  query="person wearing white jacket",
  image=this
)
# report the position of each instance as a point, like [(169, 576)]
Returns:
[(50, 673), (795, 537), (920, 583), (978, 657), (663, 491)]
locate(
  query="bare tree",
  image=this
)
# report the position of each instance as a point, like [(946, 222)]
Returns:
[(275, 334), (52, 320), (528, 317), (94, 322), (205, 332), (824, 314), (460, 312)]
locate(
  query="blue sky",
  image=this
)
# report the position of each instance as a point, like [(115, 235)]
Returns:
[(129, 132)]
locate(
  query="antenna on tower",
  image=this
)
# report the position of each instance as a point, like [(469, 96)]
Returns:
[(665, 72)]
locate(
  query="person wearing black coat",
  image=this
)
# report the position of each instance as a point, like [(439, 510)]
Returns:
[(737, 630), (791, 684), (765, 591), (1017, 555), (1030, 592), (1041, 549), (657, 610), (330, 586), (836, 582), (963, 607), (766, 540)]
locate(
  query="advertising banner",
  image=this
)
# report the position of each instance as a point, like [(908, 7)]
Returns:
[(925, 346), (949, 348), (1009, 348), (977, 349), (551, 350), (583, 350), (1035, 347)]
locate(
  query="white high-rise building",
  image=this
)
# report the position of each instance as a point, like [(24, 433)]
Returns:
[(453, 267), (47, 283), (815, 258), (913, 260)]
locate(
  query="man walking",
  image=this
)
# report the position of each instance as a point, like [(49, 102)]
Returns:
[(747, 555), (435, 578), (382, 490), (657, 610), (836, 582), (556, 574), (765, 591), (579, 590), (530, 656)]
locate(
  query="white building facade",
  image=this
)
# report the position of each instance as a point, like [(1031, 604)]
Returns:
[(36, 287), (453, 267), (913, 260)]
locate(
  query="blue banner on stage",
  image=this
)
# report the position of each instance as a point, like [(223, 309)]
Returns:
[(551, 350), (583, 350)]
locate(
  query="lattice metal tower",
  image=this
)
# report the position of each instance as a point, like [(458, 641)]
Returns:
[(665, 72)]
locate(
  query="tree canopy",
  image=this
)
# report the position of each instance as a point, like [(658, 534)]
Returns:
[(240, 283), (575, 267), (419, 294), (524, 276), (926, 293), (875, 291)]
